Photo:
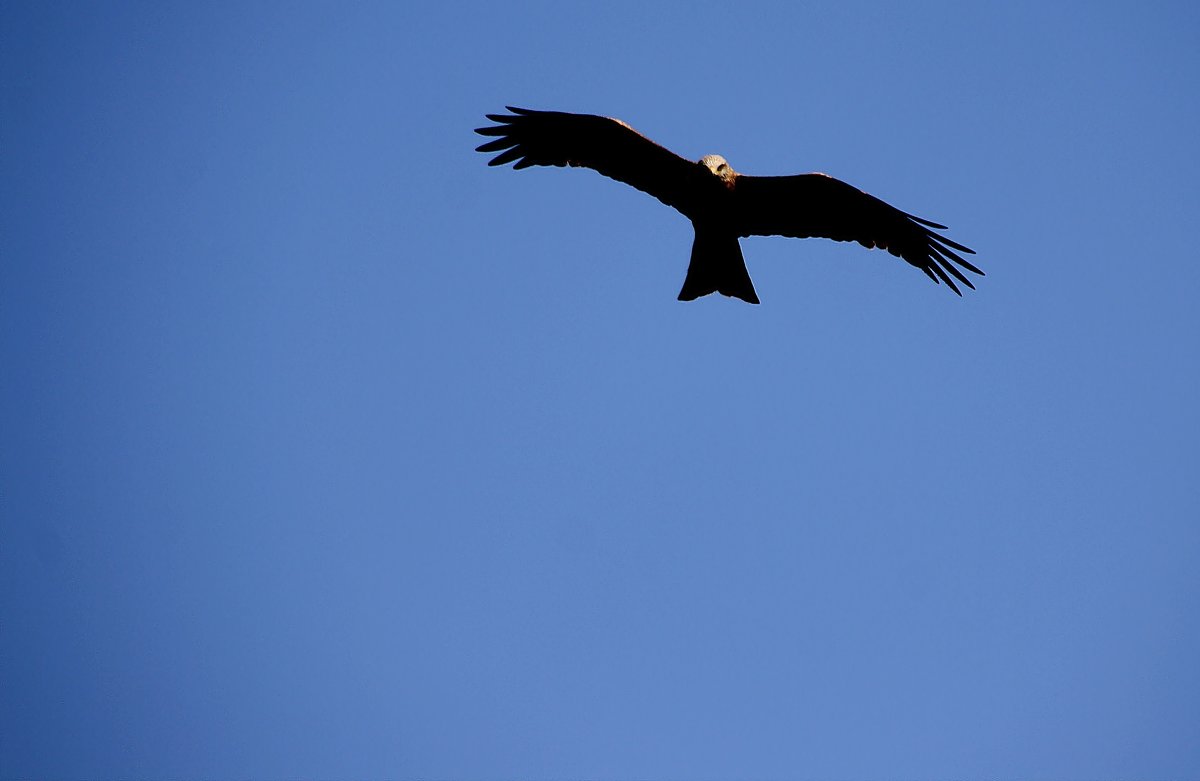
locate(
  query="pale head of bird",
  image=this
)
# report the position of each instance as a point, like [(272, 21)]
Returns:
[(719, 167)]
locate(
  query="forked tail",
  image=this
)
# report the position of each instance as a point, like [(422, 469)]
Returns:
[(717, 267)]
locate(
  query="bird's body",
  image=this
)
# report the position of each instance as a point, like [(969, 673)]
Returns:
[(722, 204)]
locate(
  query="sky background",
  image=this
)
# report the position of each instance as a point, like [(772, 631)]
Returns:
[(328, 451)]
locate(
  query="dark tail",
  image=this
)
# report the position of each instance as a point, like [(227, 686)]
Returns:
[(717, 267)]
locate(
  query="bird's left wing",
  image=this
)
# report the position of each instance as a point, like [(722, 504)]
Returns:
[(816, 205), (605, 145)]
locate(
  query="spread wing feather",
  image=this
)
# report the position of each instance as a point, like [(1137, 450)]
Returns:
[(602, 144), (816, 205)]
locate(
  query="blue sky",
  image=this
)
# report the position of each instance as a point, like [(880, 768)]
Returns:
[(327, 451)]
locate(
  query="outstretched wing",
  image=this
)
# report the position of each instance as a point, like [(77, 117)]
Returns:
[(605, 145), (816, 205)]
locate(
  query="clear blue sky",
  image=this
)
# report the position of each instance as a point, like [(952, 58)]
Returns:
[(328, 451)]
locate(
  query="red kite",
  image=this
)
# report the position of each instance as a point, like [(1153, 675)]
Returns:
[(722, 204)]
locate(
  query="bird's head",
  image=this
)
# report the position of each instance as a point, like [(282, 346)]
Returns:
[(719, 167)]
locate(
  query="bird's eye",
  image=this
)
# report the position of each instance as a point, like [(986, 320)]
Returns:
[(722, 167)]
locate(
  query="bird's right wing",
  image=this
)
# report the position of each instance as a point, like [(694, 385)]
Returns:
[(602, 144), (816, 205)]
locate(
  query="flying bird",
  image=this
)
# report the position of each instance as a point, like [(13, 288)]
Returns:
[(722, 204)]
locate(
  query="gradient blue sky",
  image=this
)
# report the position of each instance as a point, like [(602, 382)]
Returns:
[(327, 451)]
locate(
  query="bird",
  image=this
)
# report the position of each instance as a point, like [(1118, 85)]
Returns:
[(722, 204)]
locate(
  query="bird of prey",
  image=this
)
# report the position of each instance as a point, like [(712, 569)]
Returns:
[(722, 204)]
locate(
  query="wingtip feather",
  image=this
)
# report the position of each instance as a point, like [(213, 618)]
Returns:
[(926, 223), (942, 275), (507, 156), (946, 252), (496, 145), (956, 245)]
